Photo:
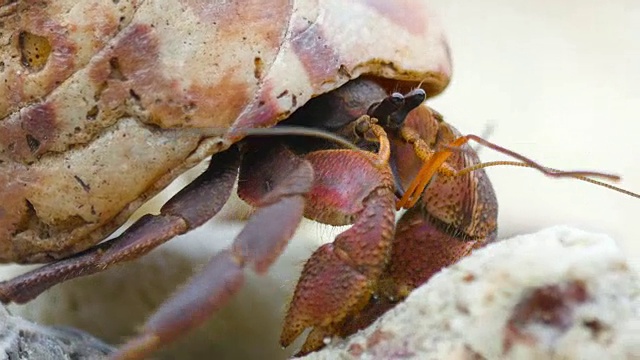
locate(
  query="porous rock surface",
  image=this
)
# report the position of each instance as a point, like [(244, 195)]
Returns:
[(24, 340), (557, 294)]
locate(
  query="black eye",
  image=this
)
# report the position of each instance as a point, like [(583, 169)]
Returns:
[(396, 99)]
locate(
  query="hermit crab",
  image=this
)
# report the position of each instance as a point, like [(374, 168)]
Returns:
[(314, 108)]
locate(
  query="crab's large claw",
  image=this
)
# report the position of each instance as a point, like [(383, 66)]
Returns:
[(340, 277)]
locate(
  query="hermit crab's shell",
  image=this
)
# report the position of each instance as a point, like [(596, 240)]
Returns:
[(103, 103)]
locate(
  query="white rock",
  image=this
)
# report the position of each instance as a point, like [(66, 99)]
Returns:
[(560, 293)]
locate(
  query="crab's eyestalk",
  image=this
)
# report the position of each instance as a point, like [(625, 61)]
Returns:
[(386, 107), (392, 111), (412, 100)]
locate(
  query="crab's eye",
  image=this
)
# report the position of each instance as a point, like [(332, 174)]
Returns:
[(396, 99)]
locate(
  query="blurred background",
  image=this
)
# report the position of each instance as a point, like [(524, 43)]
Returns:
[(557, 81)]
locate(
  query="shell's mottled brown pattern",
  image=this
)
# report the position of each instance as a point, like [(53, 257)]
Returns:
[(120, 98)]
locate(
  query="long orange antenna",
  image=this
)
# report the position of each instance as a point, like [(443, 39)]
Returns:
[(433, 166)]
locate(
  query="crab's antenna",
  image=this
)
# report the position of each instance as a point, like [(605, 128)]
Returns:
[(300, 131), (532, 164), (489, 129), (551, 172), (434, 165)]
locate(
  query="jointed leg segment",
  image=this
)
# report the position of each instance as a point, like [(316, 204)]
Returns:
[(280, 210), (339, 278), (191, 207)]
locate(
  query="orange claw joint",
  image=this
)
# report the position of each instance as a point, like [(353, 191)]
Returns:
[(430, 168), (384, 151)]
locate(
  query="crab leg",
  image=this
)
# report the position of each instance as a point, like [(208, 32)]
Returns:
[(275, 180), (340, 277), (190, 208)]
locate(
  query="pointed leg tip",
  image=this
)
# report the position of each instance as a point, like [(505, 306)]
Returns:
[(290, 333)]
